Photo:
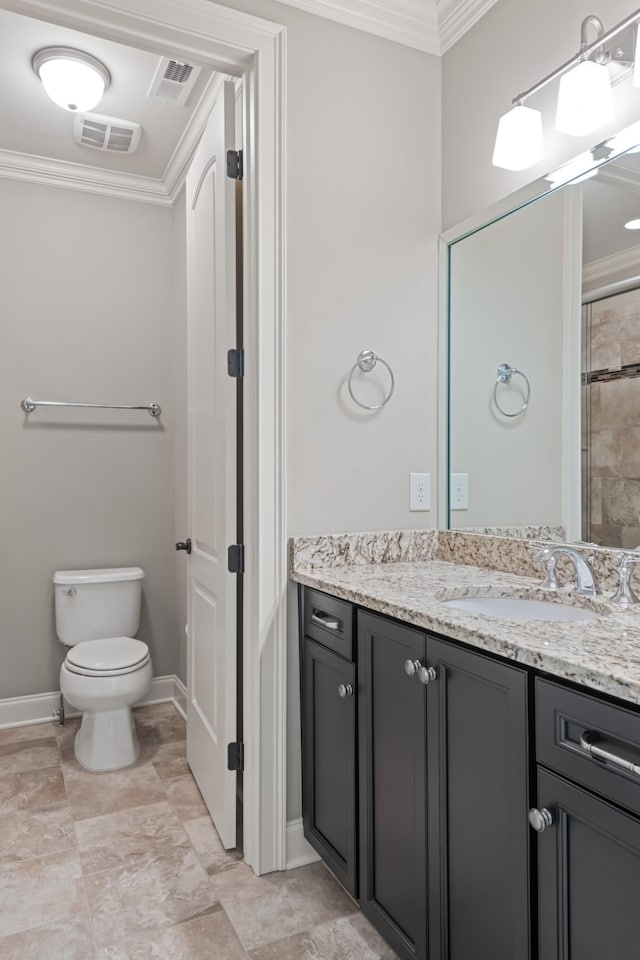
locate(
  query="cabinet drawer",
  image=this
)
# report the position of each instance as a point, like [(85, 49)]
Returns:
[(329, 621), (589, 741)]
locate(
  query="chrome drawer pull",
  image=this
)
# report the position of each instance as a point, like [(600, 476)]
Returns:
[(326, 620), (586, 742)]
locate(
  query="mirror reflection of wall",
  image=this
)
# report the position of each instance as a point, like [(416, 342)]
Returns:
[(553, 289), (611, 356)]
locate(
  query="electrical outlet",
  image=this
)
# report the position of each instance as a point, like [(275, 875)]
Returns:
[(459, 491), (419, 491)]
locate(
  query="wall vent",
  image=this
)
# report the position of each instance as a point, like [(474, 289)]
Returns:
[(173, 81), (106, 133)]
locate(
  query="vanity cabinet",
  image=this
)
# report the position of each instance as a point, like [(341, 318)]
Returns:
[(442, 784), (589, 844)]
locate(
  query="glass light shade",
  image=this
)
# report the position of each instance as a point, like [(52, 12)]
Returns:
[(73, 80), (636, 64), (585, 100), (519, 140), (632, 225)]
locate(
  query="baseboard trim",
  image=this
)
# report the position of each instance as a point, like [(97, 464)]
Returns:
[(43, 707), (299, 852)]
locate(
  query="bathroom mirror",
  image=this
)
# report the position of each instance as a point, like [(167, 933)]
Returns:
[(540, 327)]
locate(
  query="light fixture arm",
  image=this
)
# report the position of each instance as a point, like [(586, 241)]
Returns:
[(584, 54)]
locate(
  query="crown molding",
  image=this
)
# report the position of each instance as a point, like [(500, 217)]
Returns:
[(74, 176), (176, 170), (622, 175), (455, 17), (611, 269), (412, 23)]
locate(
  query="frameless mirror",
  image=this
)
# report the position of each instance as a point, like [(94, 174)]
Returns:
[(542, 365)]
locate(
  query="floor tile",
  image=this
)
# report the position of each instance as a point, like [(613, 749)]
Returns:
[(208, 847), (159, 723), (349, 938), (170, 889), (27, 835), (30, 731), (207, 938), (185, 798), (130, 838), (40, 891), (266, 909), (33, 790), (24, 755), (169, 759), (93, 794), (60, 940)]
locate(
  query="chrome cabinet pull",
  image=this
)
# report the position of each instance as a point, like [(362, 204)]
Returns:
[(427, 675), (540, 819), (326, 620), (411, 667), (414, 668), (345, 690), (587, 743)]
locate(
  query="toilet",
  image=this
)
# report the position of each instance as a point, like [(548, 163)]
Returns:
[(106, 669)]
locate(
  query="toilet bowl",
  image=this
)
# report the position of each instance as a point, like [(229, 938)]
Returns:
[(106, 670)]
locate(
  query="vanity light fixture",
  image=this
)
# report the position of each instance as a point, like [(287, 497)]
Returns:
[(585, 100), (580, 168), (632, 225), (74, 80)]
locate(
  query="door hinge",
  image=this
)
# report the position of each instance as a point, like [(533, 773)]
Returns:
[(235, 167), (235, 560), (235, 362), (235, 755)]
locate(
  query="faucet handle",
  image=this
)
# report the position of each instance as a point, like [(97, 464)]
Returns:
[(624, 595), (547, 556)]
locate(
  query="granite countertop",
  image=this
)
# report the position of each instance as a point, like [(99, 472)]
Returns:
[(602, 654)]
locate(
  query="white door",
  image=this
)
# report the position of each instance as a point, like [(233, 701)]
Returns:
[(211, 326)]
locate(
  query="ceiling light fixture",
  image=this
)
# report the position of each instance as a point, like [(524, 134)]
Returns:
[(74, 80), (585, 100), (632, 225)]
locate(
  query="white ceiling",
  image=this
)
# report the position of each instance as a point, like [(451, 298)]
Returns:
[(31, 126)]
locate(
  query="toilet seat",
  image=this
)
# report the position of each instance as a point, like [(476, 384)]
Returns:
[(107, 657)]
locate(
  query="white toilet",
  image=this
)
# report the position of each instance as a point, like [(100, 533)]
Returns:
[(106, 671)]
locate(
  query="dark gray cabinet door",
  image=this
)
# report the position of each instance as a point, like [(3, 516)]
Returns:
[(478, 805), (329, 760), (392, 767), (589, 876)]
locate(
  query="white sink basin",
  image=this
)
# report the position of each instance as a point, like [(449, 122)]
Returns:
[(518, 608)]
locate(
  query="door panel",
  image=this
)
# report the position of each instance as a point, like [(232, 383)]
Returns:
[(589, 876), (211, 326), (479, 834), (392, 767)]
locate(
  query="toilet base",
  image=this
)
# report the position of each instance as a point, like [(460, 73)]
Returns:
[(107, 740)]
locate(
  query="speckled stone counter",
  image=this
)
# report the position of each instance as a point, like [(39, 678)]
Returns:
[(407, 575)]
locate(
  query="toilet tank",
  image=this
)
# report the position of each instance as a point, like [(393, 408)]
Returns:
[(94, 604)]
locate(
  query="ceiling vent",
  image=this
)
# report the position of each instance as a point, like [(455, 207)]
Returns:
[(173, 81), (106, 133)]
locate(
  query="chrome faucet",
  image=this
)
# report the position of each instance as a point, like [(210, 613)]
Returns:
[(624, 595), (586, 584)]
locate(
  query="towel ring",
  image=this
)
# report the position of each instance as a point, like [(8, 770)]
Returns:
[(366, 362), (505, 373)]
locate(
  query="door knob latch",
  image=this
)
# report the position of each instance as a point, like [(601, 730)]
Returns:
[(184, 545)]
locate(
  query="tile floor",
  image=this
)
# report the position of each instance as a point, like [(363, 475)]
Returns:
[(127, 865)]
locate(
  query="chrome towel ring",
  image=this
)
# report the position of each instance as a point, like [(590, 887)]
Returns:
[(505, 373), (366, 362)]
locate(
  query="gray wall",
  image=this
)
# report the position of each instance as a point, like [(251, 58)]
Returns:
[(511, 48), (86, 315)]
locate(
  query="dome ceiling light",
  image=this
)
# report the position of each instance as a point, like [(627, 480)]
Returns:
[(74, 80)]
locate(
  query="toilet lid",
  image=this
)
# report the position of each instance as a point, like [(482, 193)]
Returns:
[(107, 657)]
